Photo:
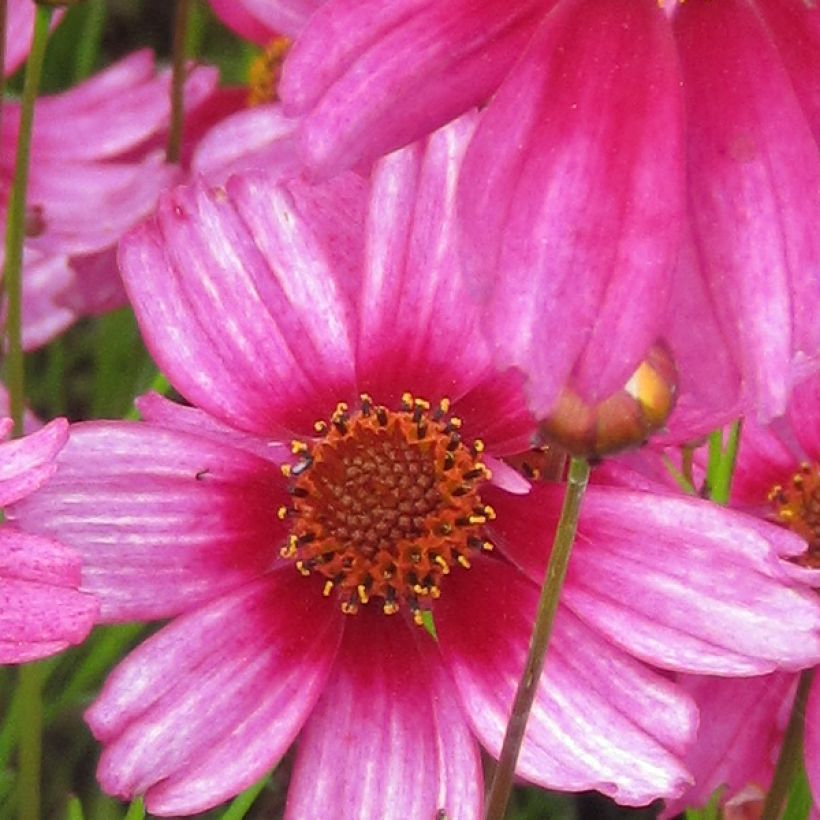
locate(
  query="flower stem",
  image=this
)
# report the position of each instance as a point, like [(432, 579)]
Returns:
[(173, 152), (29, 684), (3, 26), (15, 227), (88, 44), (30, 688), (791, 752), (722, 465), (545, 617)]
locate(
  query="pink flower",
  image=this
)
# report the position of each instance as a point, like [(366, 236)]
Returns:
[(319, 334), (41, 609), (94, 174), (777, 478), (573, 197)]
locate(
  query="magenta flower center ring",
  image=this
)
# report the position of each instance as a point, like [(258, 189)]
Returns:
[(797, 507), (385, 503)]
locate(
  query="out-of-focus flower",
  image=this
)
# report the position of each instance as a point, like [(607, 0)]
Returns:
[(96, 171), (339, 476), (19, 28), (571, 192), (41, 609)]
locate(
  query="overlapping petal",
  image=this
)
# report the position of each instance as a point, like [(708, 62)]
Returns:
[(754, 183), (205, 707), (741, 727), (371, 77), (194, 515), (27, 463), (41, 610), (601, 719), (676, 581), (571, 203), (261, 137)]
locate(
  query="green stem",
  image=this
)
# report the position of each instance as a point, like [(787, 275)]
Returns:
[(721, 480), (242, 803), (29, 686), (15, 228), (547, 607), (791, 752), (3, 27), (88, 45), (174, 150)]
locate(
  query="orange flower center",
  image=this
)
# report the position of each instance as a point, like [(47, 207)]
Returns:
[(265, 71), (385, 503), (797, 506)]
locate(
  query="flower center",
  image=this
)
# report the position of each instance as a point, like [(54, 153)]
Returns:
[(385, 503), (797, 506), (265, 70)]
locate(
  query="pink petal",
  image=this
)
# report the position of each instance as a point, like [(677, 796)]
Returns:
[(27, 463), (158, 410), (495, 410), (260, 137), (238, 302), (811, 741), (140, 503), (741, 728), (601, 719), (379, 699), (577, 269), (420, 327), (754, 176), (259, 20), (708, 391), (19, 28), (764, 460), (97, 288), (804, 414), (373, 77), (87, 207), (46, 282), (795, 28), (203, 708), (41, 611), (679, 582), (89, 121)]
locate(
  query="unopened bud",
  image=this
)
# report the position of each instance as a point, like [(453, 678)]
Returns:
[(620, 422)]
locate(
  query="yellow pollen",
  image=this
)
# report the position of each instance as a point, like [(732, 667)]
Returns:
[(265, 71), (797, 507), (385, 503)]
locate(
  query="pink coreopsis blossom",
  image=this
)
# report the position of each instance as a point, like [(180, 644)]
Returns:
[(96, 171), (41, 609), (339, 476), (572, 194), (777, 478)]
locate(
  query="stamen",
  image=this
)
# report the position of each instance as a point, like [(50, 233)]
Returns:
[(797, 507), (386, 503)]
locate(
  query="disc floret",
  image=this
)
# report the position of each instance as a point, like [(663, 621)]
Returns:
[(797, 506), (385, 503)]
